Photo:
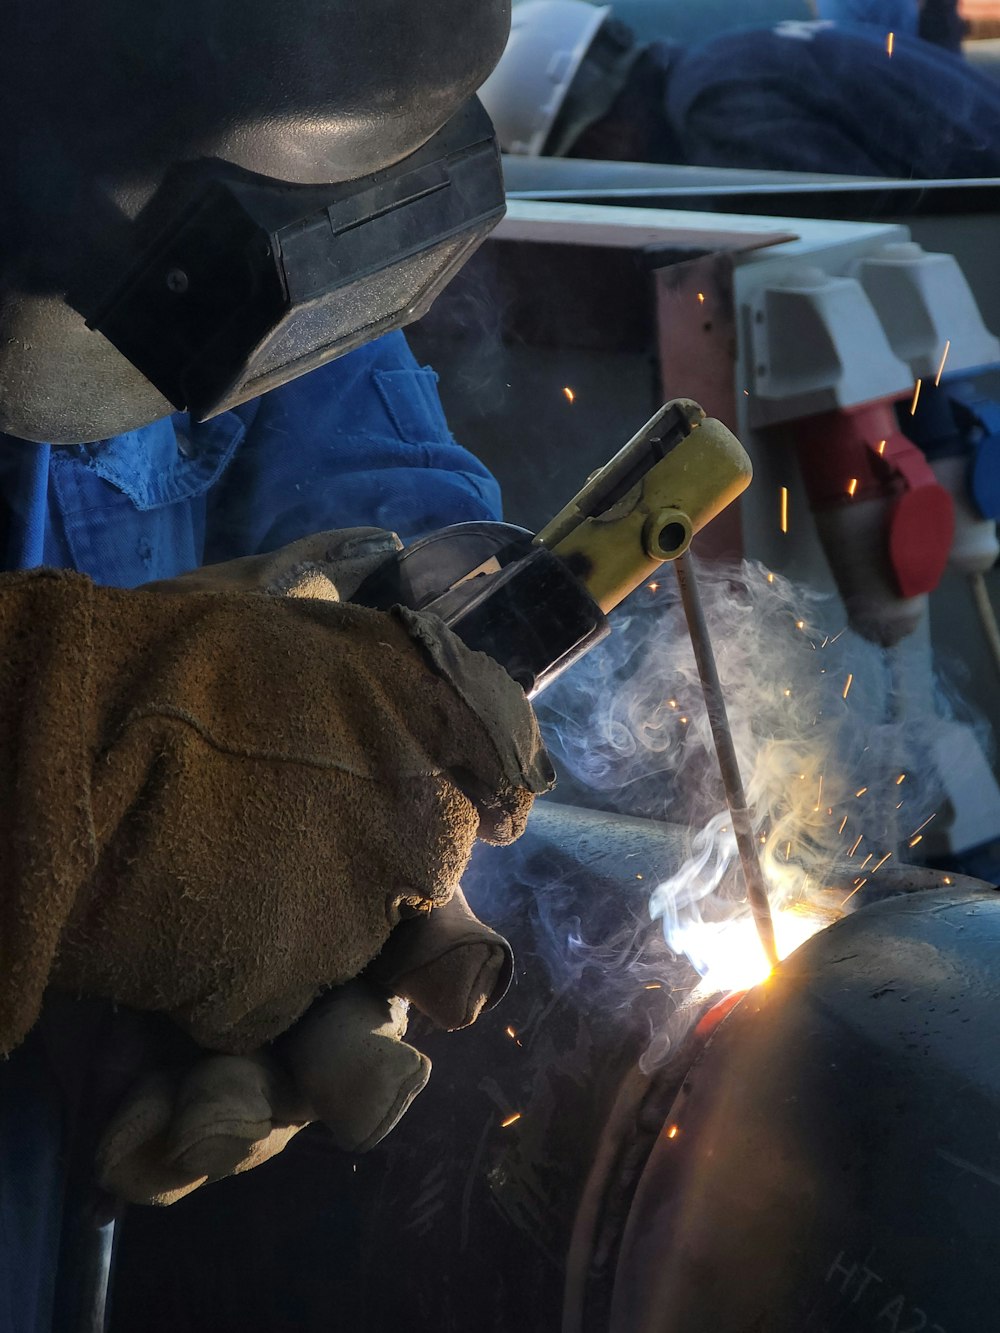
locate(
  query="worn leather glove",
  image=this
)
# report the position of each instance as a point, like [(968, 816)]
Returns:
[(344, 1063), (218, 803)]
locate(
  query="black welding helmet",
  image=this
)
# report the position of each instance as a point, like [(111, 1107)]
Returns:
[(202, 199), (832, 1159)]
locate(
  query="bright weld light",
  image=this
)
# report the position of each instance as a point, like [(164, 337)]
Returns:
[(852, 486), (881, 447), (653, 587), (944, 358), (511, 1120), (569, 394), (849, 682), (729, 954), (890, 42), (784, 509), (916, 398)]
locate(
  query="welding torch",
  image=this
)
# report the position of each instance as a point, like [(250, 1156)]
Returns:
[(537, 602)]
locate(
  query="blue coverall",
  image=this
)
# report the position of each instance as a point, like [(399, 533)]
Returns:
[(811, 97), (360, 442)]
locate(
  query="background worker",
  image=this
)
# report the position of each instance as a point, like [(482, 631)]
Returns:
[(800, 96)]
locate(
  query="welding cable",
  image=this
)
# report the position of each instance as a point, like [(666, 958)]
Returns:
[(987, 616), (725, 749)]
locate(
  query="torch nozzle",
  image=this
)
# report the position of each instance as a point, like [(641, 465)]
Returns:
[(722, 735)]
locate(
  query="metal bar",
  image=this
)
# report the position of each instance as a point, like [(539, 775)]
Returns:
[(725, 749)]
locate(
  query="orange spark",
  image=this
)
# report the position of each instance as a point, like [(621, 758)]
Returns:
[(861, 792), (856, 845), (653, 587), (511, 1033), (947, 879), (638, 877), (770, 578), (867, 859), (672, 1132), (570, 395), (921, 827), (900, 778), (655, 985), (852, 486), (788, 850), (916, 398), (701, 298), (684, 721), (855, 890), (819, 794), (944, 358), (671, 703), (843, 825), (881, 447), (784, 509), (890, 42), (511, 1120), (881, 863), (800, 624), (918, 838), (849, 683)]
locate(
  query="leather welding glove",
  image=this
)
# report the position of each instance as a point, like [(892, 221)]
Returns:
[(218, 803), (344, 1063)]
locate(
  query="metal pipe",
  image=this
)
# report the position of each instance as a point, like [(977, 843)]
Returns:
[(725, 749)]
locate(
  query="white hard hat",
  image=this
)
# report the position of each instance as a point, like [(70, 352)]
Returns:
[(525, 93)]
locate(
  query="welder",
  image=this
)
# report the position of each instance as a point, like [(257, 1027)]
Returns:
[(223, 797), (827, 96)]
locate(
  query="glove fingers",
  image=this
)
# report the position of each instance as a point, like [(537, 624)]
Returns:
[(326, 565), (346, 1058), (447, 962), (132, 1161), (222, 1108)]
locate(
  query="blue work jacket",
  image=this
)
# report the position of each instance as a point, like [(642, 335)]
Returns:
[(362, 441)]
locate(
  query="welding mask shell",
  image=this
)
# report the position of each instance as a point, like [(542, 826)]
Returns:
[(205, 198), (832, 1159)]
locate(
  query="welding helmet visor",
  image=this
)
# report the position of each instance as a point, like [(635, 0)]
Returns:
[(210, 197)]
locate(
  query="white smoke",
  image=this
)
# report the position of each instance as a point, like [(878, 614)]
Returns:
[(836, 781)]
